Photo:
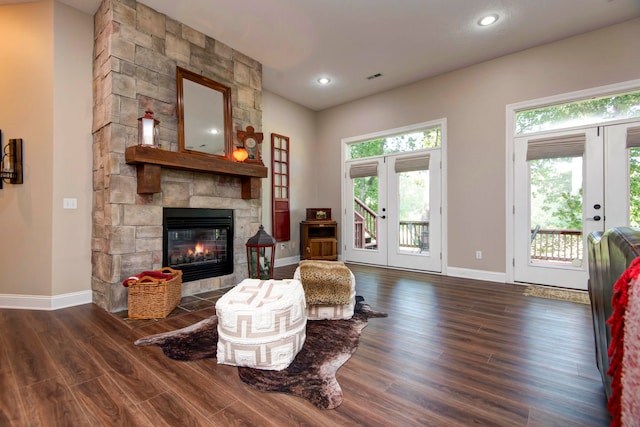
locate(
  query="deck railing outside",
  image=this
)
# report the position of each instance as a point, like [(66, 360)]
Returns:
[(366, 224), (359, 237), (546, 244), (414, 234), (556, 245)]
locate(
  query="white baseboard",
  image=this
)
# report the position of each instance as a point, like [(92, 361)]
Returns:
[(489, 276), (55, 302), (40, 302)]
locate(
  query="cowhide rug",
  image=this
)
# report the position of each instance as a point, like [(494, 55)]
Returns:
[(311, 375)]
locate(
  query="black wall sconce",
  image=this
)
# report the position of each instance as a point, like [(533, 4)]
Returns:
[(11, 165)]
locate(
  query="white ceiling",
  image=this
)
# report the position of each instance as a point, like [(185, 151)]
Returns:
[(298, 41)]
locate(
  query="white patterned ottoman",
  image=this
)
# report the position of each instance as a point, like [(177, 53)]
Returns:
[(326, 310), (261, 324)]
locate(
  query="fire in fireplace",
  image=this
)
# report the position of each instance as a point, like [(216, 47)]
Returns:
[(198, 241)]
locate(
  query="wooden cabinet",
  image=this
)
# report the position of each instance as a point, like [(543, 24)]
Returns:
[(319, 240)]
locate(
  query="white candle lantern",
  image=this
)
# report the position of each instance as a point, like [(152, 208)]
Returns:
[(148, 130)]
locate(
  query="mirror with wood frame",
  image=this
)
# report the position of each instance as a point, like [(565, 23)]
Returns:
[(204, 115)]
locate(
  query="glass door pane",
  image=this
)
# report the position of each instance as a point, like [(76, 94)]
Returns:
[(365, 208), (622, 195), (414, 217), (413, 207), (365, 229), (556, 211)]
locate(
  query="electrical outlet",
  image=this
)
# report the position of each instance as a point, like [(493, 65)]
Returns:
[(283, 246), (70, 203), (478, 254)]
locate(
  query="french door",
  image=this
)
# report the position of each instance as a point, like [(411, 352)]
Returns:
[(568, 184), (393, 211)]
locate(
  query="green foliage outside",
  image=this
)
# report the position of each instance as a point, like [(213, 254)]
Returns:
[(366, 189), (584, 112), (554, 203), (413, 193), (569, 211), (429, 138)]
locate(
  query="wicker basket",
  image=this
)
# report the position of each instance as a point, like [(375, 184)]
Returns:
[(151, 298)]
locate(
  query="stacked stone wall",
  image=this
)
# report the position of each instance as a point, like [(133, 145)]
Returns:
[(136, 52)]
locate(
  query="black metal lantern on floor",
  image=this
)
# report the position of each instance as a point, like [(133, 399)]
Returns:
[(261, 250)]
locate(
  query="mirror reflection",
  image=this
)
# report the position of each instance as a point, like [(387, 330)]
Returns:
[(204, 115)]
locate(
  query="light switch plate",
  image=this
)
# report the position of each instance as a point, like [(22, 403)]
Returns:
[(70, 203)]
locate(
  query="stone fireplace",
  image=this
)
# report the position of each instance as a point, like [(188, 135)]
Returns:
[(199, 242), (136, 52)]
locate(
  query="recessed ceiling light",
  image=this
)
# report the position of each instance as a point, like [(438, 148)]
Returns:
[(488, 20), (213, 131), (324, 81)]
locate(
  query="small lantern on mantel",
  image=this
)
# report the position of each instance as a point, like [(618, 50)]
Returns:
[(261, 250), (148, 130)]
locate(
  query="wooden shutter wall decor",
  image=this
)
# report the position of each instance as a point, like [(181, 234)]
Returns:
[(280, 182)]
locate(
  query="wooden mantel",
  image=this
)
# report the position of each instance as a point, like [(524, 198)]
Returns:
[(150, 161)]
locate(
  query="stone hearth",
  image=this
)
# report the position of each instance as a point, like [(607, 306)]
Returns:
[(136, 53)]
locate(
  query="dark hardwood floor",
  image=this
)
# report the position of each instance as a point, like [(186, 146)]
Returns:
[(453, 352)]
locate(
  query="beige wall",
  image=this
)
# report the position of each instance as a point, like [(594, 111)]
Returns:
[(45, 87), (72, 155), (299, 124), (26, 111), (473, 101)]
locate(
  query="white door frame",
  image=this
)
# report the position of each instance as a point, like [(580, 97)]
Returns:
[(390, 132), (592, 184), (511, 110), (616, 190), (375, 255), (430, 260)]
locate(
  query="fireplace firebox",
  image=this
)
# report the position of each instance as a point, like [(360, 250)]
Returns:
[(198, 241)]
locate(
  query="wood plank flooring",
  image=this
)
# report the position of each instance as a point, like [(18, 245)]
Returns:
[(453, 352)]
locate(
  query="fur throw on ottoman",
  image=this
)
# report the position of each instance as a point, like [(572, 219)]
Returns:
[(325, 282)]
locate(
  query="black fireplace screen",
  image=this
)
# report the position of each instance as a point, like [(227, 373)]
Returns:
[(198, 241)]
